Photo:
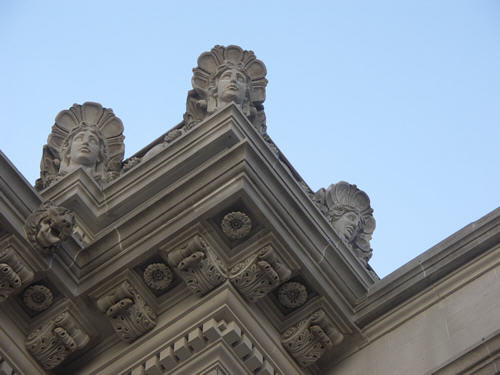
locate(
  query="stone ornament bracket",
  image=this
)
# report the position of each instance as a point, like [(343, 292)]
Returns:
[(258, 275), (54, 341), (15, 274), (127, 312), (309, 339)]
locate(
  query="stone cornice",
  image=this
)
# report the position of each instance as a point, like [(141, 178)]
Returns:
[(430, 268)]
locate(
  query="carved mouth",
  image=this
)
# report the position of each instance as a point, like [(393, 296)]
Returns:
[(232, 87), (55, 232), (84, 149)]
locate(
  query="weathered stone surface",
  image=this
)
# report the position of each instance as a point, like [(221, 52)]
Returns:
[(129, 315), (199, 269), (85, 136), (14, 274), (308, 340), (224, 75), (258, 275), (48, 226), (52, 342), (38, 297), (348, 210)]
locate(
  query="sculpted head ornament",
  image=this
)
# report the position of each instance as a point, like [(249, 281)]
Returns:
[(348, 210), (86, 136), (224, 75), (48, 226)]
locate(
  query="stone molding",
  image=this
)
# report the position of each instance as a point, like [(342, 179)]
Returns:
[(196, 340), (127, 311), (53, 341), (14, 273), (197, 266), (255, 277), (308, 340), (482, 359), (6, 368)]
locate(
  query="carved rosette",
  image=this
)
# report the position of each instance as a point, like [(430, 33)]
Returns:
[(201, 271), (236, 225), (292, 294), (48, 226), (55, 340), (308, 340), (258, 275), (38, 297), (56, 153), (13, 274), (158, 276), (127, 311), (348, 210)]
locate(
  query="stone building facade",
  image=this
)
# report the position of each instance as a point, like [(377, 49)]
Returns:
[(206, 253)]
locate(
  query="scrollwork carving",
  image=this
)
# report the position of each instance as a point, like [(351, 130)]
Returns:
[(258, 275), (348, 210), (199, 269), (48, 226), (55, 340), (127, 311), (13, 274), (308, 340)]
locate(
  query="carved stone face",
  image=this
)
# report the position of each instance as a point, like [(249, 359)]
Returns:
[(232, 86), (348, 225), (85, 148), (54, 228)]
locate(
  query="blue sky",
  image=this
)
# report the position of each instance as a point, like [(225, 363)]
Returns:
[(400, 98)]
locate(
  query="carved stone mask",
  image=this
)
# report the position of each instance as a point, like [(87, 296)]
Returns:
[(232, 86), (85, 148), (54, 228)]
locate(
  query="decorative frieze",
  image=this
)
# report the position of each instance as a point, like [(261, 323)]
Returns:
[(258, 275), (52, 342), (14, 274), (48, 226), (309, 339), (127, 311), (197, 266)]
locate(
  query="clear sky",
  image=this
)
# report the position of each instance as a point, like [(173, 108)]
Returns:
[(401, 98)]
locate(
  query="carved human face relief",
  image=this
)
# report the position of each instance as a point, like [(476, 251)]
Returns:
[(53, 229), (348, 225), (232, 86), (84, 148)]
